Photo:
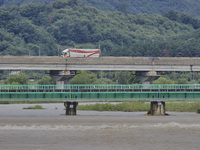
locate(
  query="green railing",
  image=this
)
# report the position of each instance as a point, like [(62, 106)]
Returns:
[(121, 87), (100, 92)]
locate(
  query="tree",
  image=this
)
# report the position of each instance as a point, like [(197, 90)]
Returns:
[(123, 7), (84, 77), (172, 15), (181, 81), (73, 3), (46, 80), (103, 81), (60, 4), (32, 10), (163, 80), (33, 49), (122, 78), (18, 79)]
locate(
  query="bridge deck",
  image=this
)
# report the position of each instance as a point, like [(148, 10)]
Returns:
[(101, 63)]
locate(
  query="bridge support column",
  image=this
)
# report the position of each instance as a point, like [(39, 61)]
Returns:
[(62, 76), (148, 77), (70, 108), (157, 108)]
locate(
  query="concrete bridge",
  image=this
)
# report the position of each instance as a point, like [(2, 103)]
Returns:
[(62, 69), (102, 63)]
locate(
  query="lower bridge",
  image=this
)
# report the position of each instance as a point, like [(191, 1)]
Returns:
[(72, 94)]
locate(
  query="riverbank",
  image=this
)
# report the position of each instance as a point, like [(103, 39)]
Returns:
[(134, 106), (137, 106)]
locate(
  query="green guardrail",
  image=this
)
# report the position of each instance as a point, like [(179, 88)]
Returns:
[(100, 92), (105, 87)]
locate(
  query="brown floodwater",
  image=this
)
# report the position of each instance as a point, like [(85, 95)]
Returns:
[(50, 129)]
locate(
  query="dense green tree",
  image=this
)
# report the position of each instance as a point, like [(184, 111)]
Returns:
[(88, 77), (33, 49), (46, 80), (60, 4), (172, 15), (163, 80), (182, 81), (73, 3), (19, 79), (84, 77), (123, 7), (103, 81), (33, 10)]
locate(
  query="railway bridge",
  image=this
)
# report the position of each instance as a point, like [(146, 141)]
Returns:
[(72, 94)]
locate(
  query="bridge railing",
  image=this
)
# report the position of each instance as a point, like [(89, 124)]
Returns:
[(100, 88), (100, 92)]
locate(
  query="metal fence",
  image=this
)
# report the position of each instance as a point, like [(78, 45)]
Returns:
[(100, 92)]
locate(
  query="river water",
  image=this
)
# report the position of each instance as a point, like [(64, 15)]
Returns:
[(50, 129)]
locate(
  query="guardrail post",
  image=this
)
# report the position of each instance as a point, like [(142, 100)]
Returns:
[(70, 108)]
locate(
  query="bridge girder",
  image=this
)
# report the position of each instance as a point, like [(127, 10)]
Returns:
[(102, 63)]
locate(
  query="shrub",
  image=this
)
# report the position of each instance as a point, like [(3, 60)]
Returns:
[(34, 107)]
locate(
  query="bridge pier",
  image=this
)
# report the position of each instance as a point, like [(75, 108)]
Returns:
[(70, 108), (157, 108), (62, 76), (147, 77)]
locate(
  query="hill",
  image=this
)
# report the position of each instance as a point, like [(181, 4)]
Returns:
[(127, 6), (147, 6), (6, 3), (45, 29)]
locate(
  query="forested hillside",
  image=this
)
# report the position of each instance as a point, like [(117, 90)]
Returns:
[(37, 29), (128, 6), (6, 3), (147, 6)]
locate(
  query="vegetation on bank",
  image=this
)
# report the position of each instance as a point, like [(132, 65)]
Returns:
[(124, 106), (34, 107), (136, 106), (185, 106)]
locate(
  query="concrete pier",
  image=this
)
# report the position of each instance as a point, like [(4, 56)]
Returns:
[(62, 76), (148, 77), (70, 108), (157, 108)]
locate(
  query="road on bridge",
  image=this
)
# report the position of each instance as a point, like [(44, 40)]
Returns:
[(101, 63)]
